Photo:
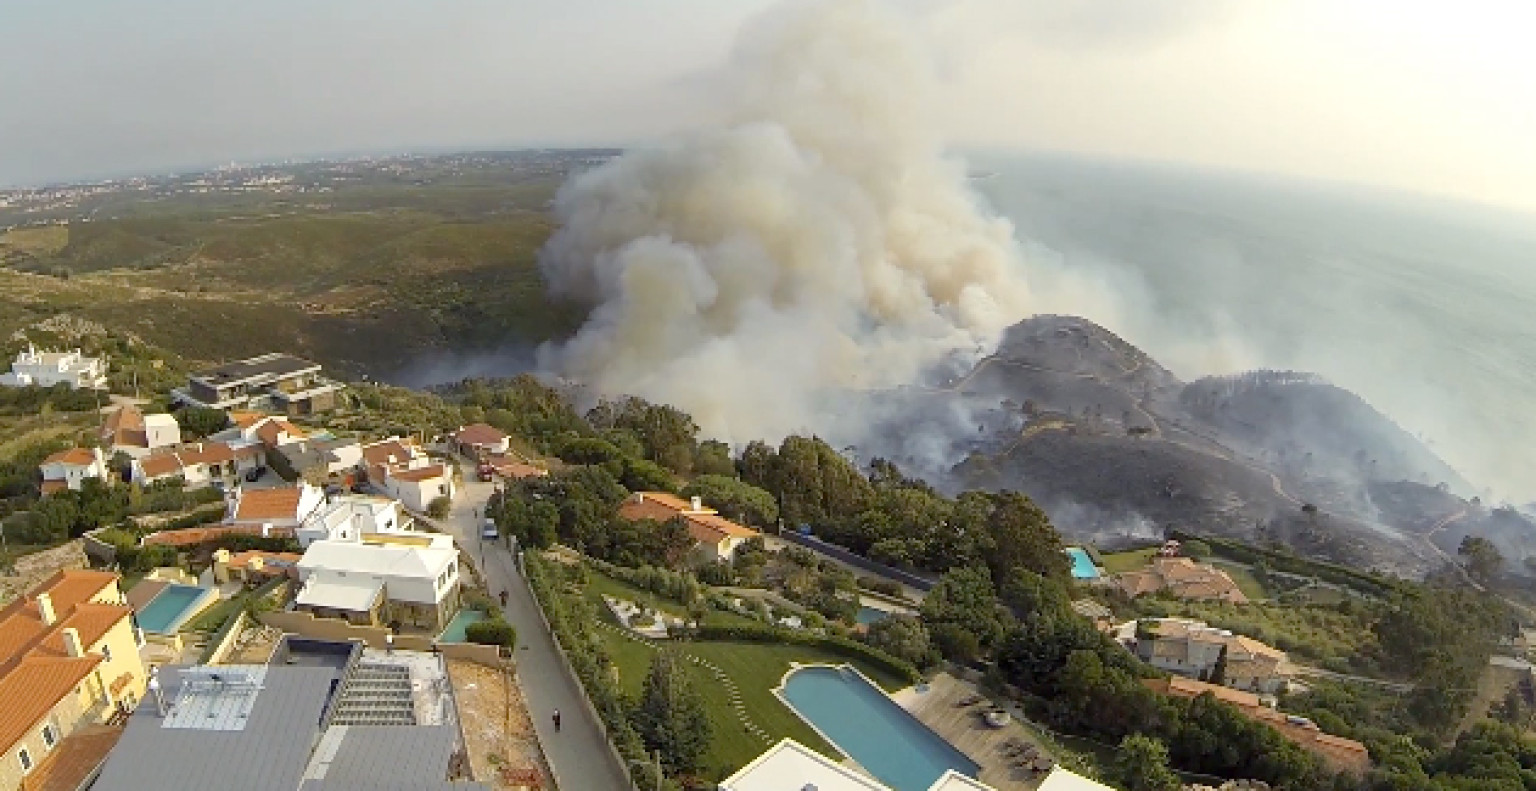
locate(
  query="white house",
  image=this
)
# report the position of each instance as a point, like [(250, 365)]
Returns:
[(46, 369), (481, 439), (791, 766), (412, 579), (131, 431), (352, 517), (68, 469), (283, 507), (415, 487), (199, 463)]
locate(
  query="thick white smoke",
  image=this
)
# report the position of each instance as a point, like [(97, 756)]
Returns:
[(820, 240)]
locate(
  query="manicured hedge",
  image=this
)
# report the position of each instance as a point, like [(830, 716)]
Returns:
[(840, 645), (1363, 581)]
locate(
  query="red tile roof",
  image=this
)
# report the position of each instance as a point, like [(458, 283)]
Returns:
[(79, 457), (77, 756), (246, 419), (388, 451), (420, 474), (33, 686), (52, 487), (479, 434), (21, 622), (160, 465), (703, 525), (268, 432), (257, 504), (197, 535)]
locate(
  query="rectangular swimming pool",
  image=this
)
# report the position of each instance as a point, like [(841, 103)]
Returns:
[(173, 606), (866, 725), (1082, 564), (455, 631), (868, 615)]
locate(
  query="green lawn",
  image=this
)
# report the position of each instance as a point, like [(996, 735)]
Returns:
[(756, 668), (1246, 582), (1115, 563), (211, 619)]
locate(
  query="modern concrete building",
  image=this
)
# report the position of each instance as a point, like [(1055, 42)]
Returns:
[(791, 766), (280, 382), (351, 517), (410, 579), (320, 717)]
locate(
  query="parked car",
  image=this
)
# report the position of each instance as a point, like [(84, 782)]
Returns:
[(489, 531), (254, 474), (486, 473)]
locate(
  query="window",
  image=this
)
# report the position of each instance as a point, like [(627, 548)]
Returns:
[(25, 758), (50, 738), (106, 651)]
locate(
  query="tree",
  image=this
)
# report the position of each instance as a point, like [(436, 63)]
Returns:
[(903, 637), (1483, 559), (438, 508), (714, 458), (964, 598), (1196, 548), (670, 716), (735, 499), (642, 475), (1141, 764), (1022, 537), (495, 632), (201, 421)]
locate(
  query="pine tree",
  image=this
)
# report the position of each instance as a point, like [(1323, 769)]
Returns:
[(670, 716)]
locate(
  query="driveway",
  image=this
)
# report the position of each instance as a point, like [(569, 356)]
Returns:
[(579, 754)]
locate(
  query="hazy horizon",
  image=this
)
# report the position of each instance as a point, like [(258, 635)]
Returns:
[(1357, 91)]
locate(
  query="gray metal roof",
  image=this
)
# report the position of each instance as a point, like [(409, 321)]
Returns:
[(390, 785), (270, 752), (412, 755)]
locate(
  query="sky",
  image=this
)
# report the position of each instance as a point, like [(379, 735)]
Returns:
[(1430, 97)]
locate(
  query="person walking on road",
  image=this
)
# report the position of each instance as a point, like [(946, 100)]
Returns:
[(557, 720), (503, 598)]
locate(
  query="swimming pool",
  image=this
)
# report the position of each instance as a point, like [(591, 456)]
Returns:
[(869, 727), (1082, 564), (868, 615), (173, 607), (456, 627)]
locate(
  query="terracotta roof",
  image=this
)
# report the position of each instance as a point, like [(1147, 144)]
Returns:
[(249, 452), (479, 434), (79, 755), (240, 560), (33, 687), (21, 623), (420, 474), (257, 504), (79, 457), (646, 509), (90, 619), (246, 419), (198, 535), (508, 467), (206, 453), (719, 524), (1181, 687), (52, 487), (381, 452), (160, 465), (267, 432), (1252, 646), (123, 420)]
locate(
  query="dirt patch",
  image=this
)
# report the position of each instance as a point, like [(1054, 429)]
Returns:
[(254, 646), (503, 749), (38, 566)]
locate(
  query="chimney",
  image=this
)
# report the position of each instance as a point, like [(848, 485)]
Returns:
[(697, 503), (72, 644), (45, 609), (639, 497)]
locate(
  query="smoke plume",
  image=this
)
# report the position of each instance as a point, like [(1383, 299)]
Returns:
[(817, 241)]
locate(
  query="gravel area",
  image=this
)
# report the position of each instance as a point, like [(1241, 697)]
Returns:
[(503, 749)]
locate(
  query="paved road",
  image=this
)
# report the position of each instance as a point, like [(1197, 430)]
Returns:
[(579, 752)]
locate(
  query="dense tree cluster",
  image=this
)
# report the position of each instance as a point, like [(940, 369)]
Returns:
[(670, 718)]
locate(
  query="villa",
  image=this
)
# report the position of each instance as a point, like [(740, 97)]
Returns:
[(281, 382), (716, 538), (47, 369), (1182, 577), (481, 439), (199, 464), (1195, 650), (69, 664), (286, 507), (253, 566), (1343, 755), (412, 579), (791, 766), (69, 469)]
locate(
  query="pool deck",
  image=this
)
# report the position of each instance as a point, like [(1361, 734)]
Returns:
[(962, 727)]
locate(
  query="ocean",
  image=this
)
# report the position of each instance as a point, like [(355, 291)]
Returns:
[(1425, 308)]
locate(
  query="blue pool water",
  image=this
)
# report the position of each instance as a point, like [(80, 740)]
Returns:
[(455, 631), (1082, 564), (872, 729), (868, 615), (171, 608)]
